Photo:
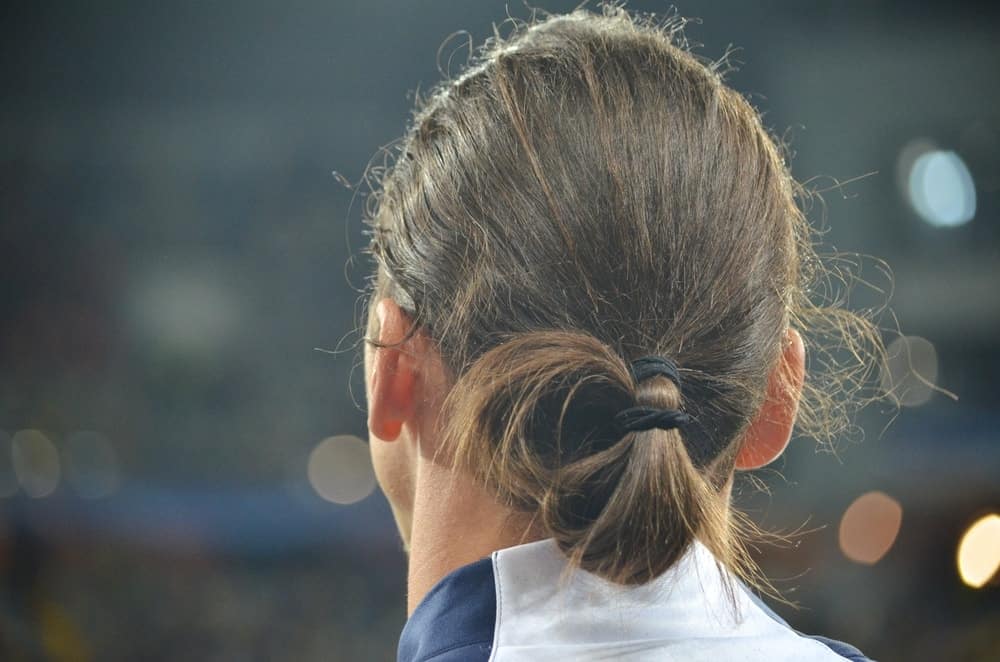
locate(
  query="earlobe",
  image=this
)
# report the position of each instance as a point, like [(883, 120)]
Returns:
[(769, 433), (392, 398)]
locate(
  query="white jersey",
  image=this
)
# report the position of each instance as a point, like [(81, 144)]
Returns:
[(522, 604)]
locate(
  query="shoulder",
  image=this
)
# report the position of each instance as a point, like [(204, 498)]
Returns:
[(844, 650), (455, 620)]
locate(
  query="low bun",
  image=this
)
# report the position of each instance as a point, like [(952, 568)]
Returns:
[(535, 418), (532, 406)]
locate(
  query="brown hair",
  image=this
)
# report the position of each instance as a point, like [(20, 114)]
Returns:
[(588, 192)]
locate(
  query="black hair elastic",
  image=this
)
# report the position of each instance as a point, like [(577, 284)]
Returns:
[(655, 366), (637, 419)]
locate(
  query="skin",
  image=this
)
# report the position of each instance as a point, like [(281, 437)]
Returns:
[(445, 519)]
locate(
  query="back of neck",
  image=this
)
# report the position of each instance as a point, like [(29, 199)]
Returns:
[(456, 522)]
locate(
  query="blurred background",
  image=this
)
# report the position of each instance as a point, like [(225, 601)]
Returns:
[(183, 475)]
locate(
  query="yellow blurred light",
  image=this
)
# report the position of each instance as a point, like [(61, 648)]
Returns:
[(869, 527), (340, 469), (979, 551), (36, 463)]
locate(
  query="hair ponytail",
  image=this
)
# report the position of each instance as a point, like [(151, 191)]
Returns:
[(535, 418)]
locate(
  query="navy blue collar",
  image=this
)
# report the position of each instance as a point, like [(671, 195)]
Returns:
[(455, 620)]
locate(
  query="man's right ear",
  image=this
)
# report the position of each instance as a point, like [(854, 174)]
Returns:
[(394, 376)]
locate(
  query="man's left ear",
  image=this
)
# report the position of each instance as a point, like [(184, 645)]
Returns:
[(771, 429), (392, 391)]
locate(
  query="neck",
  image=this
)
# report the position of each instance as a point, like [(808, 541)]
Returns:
[(456, 523)]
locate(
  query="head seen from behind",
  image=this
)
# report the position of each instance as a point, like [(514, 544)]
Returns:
[(586, 194)]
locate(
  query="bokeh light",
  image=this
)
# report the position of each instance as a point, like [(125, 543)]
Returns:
[(869, 527), (911, 370), (340, 469), (36, 463), (91, 465), (940, 188), (189, 309), (979, 551)]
